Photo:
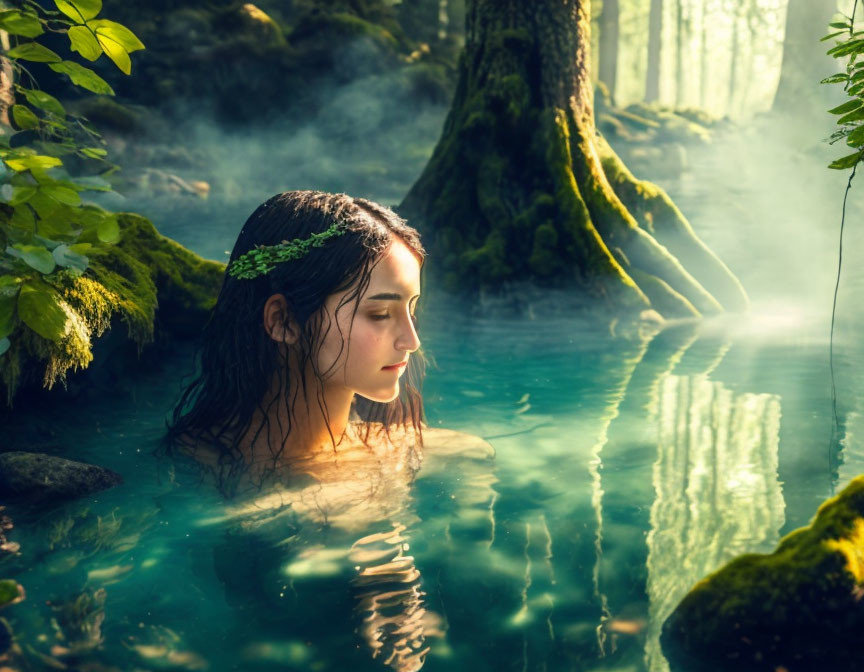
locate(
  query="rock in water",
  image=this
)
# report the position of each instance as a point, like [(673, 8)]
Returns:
[(799, 608), (36, 477)]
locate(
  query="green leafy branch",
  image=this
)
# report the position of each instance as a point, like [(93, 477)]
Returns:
[(849, 44), (47, 231)]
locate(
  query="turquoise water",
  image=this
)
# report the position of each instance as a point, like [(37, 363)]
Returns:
[(624, 470)]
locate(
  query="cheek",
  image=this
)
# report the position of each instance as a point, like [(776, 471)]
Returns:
[(366, 345)]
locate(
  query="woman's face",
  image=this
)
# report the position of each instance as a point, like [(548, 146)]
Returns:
[(369, 356)]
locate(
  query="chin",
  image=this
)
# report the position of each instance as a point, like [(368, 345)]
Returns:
[(381, 396)]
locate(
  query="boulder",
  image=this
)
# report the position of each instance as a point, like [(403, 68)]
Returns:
[(798, 608), (40, 478)]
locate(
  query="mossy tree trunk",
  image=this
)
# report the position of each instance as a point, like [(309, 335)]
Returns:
[(521, 187)]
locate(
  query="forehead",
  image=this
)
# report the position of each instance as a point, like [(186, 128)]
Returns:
[(397, 271)]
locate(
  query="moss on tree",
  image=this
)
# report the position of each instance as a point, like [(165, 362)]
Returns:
[(520, 186)]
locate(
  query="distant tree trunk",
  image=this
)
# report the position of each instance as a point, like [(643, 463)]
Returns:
[(733, 61), (655, 47), (679, 53), (804, 60), (703, 59), (521, 188), (609, 45)]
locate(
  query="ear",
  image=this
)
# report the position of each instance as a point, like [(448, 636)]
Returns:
[(278, 322)]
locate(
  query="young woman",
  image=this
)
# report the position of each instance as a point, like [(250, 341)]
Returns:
[(309, 383), (312, 344)]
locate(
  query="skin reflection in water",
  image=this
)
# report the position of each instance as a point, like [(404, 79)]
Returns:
[(347, 515)]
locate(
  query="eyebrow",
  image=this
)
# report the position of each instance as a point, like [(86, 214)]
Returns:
[(388, 296)]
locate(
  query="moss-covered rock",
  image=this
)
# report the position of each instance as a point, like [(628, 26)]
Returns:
[(148, 281), (798, 608)]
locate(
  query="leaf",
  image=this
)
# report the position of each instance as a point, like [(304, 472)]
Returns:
[(39, 308), (24, 117), (81, 248), (94, 152), (9, 285), (44, 101), (117, 33), (846, 161), (854, 115), (22, 218), (34, 161), (92, 183), (108, 230), (848, 106), (46, 208), (84, 42), (22, 194), (117, 54), (65, 257), (84, 77), (834, 79), (839, 24), (846, 48), (56, 226), (117, 41), (856, 137), (48, 243), (7, 313), (31, 51), (35, 256), (4, 345), (79, 10), (829, 36), (16, 22), (62, 194)]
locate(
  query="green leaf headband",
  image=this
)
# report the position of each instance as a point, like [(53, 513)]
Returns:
[(263, 259)]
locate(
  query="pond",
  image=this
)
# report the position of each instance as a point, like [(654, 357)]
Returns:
[(624, 470)]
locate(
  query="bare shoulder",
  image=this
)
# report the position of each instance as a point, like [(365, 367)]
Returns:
[(438, 441)]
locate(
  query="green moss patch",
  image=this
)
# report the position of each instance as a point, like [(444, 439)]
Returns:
[(146, 280), (799, 607)]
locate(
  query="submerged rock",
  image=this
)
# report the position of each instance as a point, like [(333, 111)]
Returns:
[(36, 478), (798, 608)]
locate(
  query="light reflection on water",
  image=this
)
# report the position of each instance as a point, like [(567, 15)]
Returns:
[(623, 472)]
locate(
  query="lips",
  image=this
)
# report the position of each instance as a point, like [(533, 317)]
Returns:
[(398, 365)]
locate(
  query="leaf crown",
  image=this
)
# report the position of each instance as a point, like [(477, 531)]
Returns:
[(263, 258)]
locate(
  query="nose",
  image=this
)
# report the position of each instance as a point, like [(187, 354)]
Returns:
[(407, 340)]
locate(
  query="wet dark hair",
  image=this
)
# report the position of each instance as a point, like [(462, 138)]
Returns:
[(236, 356)]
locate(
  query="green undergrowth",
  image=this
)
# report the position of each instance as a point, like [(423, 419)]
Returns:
[(144, 280)]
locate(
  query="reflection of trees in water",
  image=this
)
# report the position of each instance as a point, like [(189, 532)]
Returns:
[(716, 485)]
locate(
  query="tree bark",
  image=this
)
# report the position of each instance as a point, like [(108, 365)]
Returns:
[(7, 81), (655, 48), (609, 32), (805, 63), (521, 187)]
